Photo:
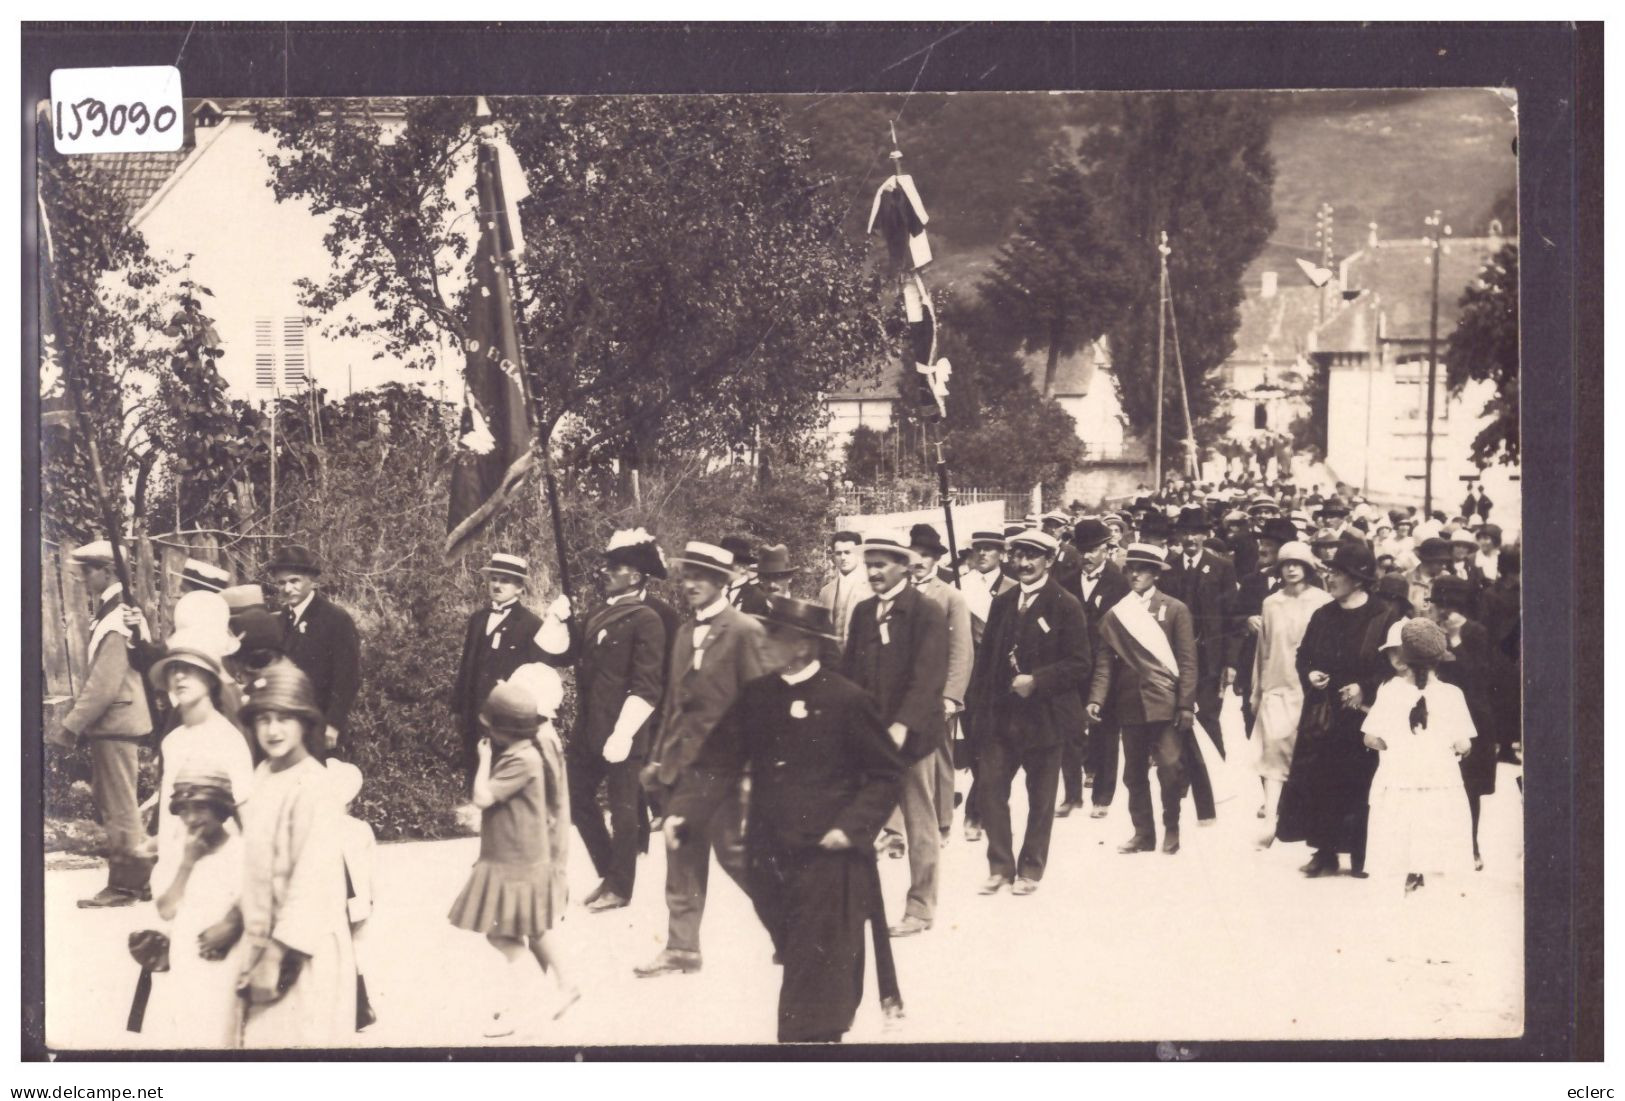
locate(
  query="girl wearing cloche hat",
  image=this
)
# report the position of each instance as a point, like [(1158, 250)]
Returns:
[(1420, 727)]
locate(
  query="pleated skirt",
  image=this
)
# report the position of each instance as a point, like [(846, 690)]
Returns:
[(509, 900)]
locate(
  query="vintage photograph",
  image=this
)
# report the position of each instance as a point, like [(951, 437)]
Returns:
[(916, 568)]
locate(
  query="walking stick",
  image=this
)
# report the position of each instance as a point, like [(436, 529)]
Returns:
[(947, 513), (891, 996)]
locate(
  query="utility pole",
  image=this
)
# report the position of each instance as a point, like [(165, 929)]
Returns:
[(1323, 240), (1162, 320), (1439, 232)]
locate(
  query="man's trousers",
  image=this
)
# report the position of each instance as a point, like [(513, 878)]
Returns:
[(688, 867), (1145, 744), (999, 762), (613, 851)]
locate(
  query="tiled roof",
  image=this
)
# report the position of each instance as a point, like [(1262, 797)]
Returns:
[(1352, 329), (138, 176), (1072, 374), (885, 386), (1279, 325), (1401, 274)]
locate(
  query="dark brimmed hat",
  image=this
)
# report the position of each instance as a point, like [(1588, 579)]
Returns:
[(1355, 560), (739, 547), (807, 616), (1144, 554), (987, 539), (1193, 519), (1280, 530), (889, 547), (257, 631), (924, 538), (1333, 506), (204, 575), (295, 559), (706, 556), (1396, 589), (776, 562), (507, 565), (1493, 531), (1455, 593), (509, 709), (1156, 525), (1012, 530), (204, 785), (636, 548), (281, 686), (1089, 533), (1434, 550)]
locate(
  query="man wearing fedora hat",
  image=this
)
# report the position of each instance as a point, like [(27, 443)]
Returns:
[(1094, 763), (499, 638), (620, 662), (110, 715), (1433, 560), (775, 571), (897, 651), (1024, 691), (745, 590), (718, 649), (1148, 659), (319, 637), (1205, 583), (824, 775)]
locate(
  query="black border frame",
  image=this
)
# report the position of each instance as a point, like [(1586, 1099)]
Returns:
[(1557, 72)]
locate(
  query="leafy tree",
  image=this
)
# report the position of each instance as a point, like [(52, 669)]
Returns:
[(685, 279), (1197, 165), (1484, 347), (1058, 283)]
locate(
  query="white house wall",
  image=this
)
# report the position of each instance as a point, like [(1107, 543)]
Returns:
[(250, 250)]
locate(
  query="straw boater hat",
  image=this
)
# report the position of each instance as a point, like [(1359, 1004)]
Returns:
[(635, 547), (1464, 538), (776, 563), (1144, 554), (511, 566), (1261, 504), (992, 539), (1235, 516), (1037, 540), (807, 616), (889, 547), (1058, 517), (707, 556), (203, 575), (1294, 551), (1114, 520), (99, 553), (1013, 530), (241, 597), (295, 559)]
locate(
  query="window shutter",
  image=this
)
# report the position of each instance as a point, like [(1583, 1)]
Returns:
[(264, 354), (294, 358)]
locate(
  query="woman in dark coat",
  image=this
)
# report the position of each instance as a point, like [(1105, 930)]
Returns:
[(1473, 673), (1341, 664)]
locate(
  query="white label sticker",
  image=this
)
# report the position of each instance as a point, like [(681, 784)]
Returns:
[(125, 109)]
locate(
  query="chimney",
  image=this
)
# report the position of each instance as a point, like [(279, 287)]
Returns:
[(1371, 235), (1268, 288)]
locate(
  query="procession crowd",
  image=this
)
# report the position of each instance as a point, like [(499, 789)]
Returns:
[(799, 738)]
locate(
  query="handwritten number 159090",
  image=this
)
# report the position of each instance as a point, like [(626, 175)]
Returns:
[(103, 119)]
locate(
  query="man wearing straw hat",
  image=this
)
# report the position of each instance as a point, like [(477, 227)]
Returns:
[(110, 713), (824, 775), (897, 651), (1149, 658), (499, 638), (718, 649), (319, 637), (1024, 689)]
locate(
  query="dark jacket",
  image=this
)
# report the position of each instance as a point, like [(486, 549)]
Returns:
[(904, 667), (1068, 567), (695, 699), (621, 650), (1143, 695), (750, 598), (325, 645), (1250, 593), (819, 759), (1049, 642), (484, 664), (1208, 593)]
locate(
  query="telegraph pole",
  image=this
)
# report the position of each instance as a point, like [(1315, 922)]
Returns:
[(1439, 232), (1162, 320), (1323, 239)]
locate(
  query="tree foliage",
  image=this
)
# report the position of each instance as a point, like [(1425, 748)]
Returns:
[(1198, 165), (1058, 282), (685, 279), (1484, 347)]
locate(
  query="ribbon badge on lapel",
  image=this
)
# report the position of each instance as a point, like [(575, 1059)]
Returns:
[(1207, 569), (798, 709), (302, 625)]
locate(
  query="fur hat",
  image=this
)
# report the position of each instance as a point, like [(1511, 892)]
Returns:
[(635, 547)]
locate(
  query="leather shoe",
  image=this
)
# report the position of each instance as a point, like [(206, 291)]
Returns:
[(993, 885), (669, 962), (1099, 812), (891, 1014), (1170, 841), (597, 893), (891, 844), (1067, 808), (1320, 865), (108, 897), (1024, 886), (609, 900), (1139, 843), (973, 833), (909, 926)]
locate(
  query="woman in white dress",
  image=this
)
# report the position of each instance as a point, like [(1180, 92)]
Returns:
[(1277, 698)]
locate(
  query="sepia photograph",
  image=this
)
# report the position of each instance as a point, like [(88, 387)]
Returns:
[(899, 567)]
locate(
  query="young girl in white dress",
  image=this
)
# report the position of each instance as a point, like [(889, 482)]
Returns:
[(1420, 824)]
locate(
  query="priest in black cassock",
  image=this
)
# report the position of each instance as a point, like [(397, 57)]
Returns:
[(824, 776)]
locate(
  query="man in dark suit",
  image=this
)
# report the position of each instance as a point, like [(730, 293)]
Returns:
[(1094, 762), (1206, 584), (1243, 542), (897, 651), (1033, 658), (745, 591), (1068, 562), (717, 650), (824, 776), (320, 638), (498, 639), (1248, 611), (1148, 657), (620, 656)]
